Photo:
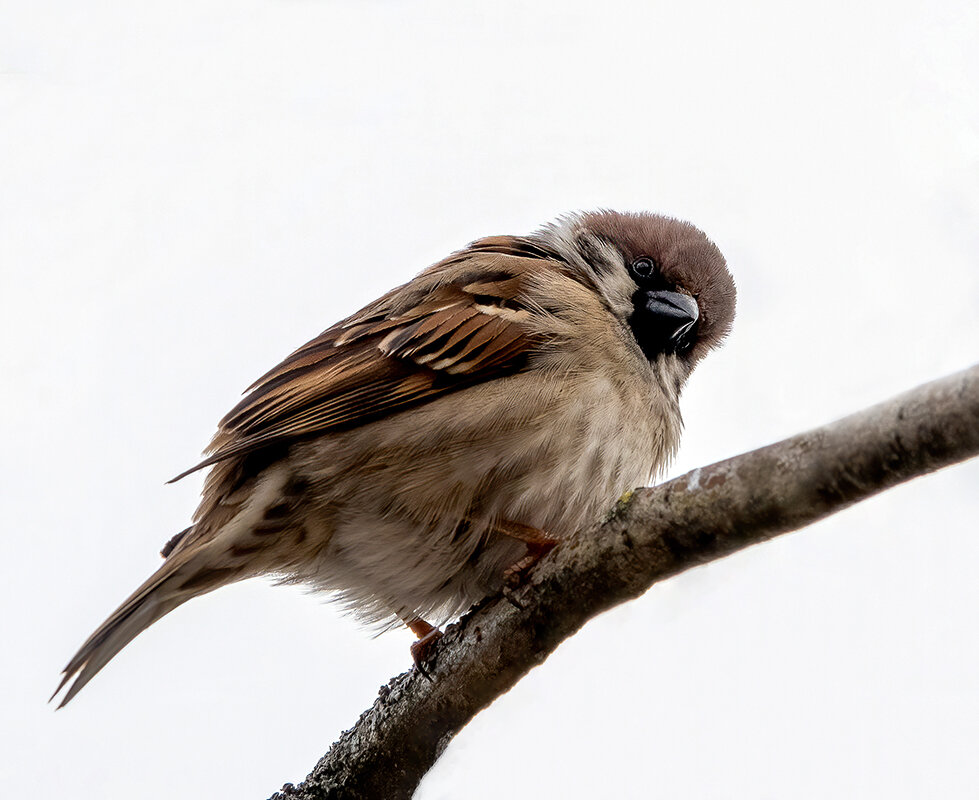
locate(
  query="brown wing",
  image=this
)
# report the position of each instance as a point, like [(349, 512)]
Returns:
[(460, 322)]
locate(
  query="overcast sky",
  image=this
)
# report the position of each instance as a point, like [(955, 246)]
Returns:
[(189, 190)]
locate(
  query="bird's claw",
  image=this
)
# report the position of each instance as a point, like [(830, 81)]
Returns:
[(421, 649)]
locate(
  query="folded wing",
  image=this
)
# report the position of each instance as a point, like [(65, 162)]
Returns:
[(461, 322)]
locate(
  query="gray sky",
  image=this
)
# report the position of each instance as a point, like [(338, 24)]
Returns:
[(188, 191)]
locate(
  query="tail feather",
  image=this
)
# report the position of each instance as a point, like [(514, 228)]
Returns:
[(173, 584)]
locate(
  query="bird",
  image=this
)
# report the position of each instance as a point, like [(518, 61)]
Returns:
[(417, 455)]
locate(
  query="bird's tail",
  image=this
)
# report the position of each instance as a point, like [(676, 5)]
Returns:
[(183, 576)]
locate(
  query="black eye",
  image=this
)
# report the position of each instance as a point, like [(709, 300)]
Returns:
[(642, 269)]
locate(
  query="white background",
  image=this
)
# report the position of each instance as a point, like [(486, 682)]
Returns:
[(189, 190)]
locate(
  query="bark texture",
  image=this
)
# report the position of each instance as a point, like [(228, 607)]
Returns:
[(651, 535)]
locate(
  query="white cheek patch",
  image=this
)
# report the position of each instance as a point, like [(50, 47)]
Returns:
[(604, 267)]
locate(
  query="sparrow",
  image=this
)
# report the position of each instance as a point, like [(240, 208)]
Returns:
[(413, 457)]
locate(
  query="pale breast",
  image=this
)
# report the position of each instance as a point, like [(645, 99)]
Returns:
[(411, 501)]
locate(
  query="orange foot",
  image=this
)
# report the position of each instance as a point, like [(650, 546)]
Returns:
[(421, 650), (539, 544)]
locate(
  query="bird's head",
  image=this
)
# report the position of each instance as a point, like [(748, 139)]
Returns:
[(662, 277)]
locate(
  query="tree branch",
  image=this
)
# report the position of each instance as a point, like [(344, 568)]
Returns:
[(651, 535)]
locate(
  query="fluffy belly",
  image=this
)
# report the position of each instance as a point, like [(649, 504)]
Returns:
[(406, 507)]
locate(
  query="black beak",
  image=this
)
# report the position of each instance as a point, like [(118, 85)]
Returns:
[(662, 321), (676, 313)]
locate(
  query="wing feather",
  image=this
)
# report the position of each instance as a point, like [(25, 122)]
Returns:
[(463, 321)]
